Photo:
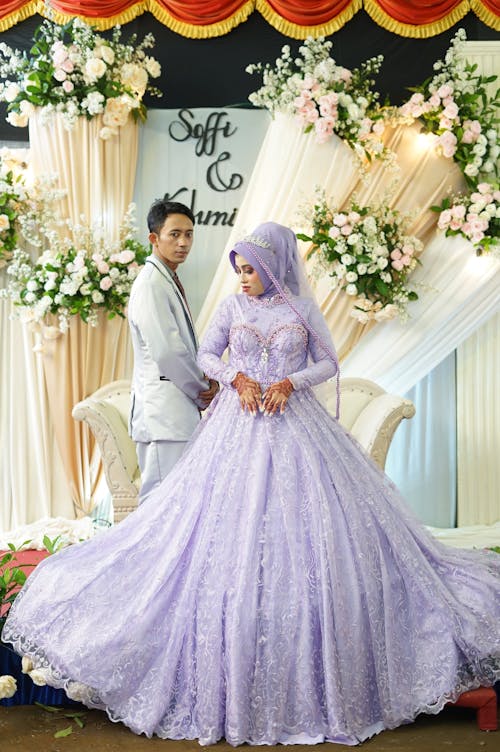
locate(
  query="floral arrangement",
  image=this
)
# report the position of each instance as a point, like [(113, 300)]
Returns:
[(74, 71), (368, 254), (455, 106), (14, 200), (326, 98), (77, 275), (475, 216)]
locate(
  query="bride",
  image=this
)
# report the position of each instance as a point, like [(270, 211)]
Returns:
[(275, 588)]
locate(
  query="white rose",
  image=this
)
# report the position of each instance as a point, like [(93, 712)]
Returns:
[(32, 285), (97, 297), (30, 297), (94, 69), (107, 133), (351, 277), (382, 262), (38, 676), (26, 664), (17, 120), (347, 259), (4, 222), (10, 92), (362, 268), (26, 108), (153, 67), (471, 170), (116, 112), (488, 167), (8, 686), (107, 54), (361, 316), (351, 290), (134, 77), (353, 238)]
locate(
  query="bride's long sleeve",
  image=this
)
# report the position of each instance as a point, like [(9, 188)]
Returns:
[(322, 368), (215, 343)]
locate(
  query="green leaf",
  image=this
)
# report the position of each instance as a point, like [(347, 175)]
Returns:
[(48, 708), (63, 732)]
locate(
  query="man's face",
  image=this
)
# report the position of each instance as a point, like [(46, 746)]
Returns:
[(173, 243)]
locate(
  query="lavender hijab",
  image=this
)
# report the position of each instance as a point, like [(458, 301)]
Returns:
[(272, 251)]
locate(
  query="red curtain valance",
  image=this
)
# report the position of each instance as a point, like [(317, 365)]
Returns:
[(294, 18)]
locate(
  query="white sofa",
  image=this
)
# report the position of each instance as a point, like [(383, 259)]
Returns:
[(371, 415)]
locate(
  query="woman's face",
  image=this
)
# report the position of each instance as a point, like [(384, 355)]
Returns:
[(249, 279)]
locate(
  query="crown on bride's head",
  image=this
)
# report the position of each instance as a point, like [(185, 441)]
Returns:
[(256, 241)]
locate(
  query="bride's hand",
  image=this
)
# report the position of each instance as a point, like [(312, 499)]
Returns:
[(276, 396), (249, 392)]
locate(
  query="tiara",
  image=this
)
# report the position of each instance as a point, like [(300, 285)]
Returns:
[(255, 240)]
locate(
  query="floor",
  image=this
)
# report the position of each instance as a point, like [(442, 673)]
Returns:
[(31, 729)]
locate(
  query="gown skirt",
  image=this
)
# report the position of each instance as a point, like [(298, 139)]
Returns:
[(274, 589)]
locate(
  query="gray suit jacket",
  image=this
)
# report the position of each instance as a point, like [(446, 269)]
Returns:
[(166, 379)]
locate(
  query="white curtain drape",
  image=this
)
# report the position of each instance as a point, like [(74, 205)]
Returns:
[(422, 458), (478, 425), (32, 481)]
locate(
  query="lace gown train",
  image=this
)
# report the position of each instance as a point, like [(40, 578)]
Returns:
[(275, 588)]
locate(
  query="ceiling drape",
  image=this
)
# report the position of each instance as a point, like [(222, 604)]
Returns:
[(294, 18)]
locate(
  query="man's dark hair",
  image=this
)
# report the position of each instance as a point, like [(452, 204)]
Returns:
[(161, 209)]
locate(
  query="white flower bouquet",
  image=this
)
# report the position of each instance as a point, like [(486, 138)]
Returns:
[(455, 106), (73, 70), (326, 98), (367, 252), (475, 216), (77, 275)]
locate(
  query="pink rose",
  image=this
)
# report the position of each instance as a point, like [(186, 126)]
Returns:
[(67, 65), (59, 74), (396, 254), (324, 129), (340, 219), (444, 91), (484, 187), (475, 126), (455, 224), (406, 260), (346, 229), (102, 267), (468, 137), (67, 86), (451, 110), (434, 101), (334, 232), (106, 283), (59, 56), (397, 264), (125, 257), (458, 211)]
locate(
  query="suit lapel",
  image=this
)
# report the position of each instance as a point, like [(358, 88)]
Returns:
[(159, 266)]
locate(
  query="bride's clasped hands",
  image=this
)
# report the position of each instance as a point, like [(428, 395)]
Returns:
[(252, 399)]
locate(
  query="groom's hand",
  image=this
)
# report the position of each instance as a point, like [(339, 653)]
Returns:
[(207, 396)]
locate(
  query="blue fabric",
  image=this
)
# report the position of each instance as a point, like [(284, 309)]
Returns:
[(27, 692)]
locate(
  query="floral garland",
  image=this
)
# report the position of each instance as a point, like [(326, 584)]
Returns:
[(78, 274), (367, 253), (325, 98), (475, 216), (455, 106), (74, 71)]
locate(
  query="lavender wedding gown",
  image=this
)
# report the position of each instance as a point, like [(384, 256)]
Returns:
[(275, 588)]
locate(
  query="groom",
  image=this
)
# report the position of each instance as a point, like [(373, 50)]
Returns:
[(168, 388)]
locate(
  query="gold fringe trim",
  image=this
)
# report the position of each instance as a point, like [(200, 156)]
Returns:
[(201, 31), (422, 31), (485, 15), (102, 24), (28, 10), (295, 31)]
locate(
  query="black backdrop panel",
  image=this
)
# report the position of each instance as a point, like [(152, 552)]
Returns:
[(211, 72)]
